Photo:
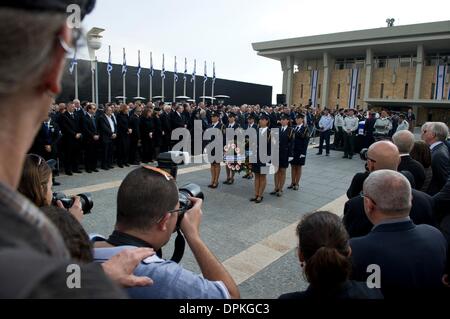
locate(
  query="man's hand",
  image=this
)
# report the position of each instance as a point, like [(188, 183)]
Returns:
[(76, 209), (120, 267), (96, 137), (78, 136), (114, 136), (190, 225), (130, 131), (48, 148)]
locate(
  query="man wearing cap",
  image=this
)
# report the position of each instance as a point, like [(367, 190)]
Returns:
[(34, 261)]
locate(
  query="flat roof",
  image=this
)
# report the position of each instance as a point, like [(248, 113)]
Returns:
[(433, 35)]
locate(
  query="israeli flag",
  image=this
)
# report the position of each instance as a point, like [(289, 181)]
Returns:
[(175, 75), (139, 65), (354, 88), (440, 82), (163, 70), (152, 70), (194, 72), (205, 77), (109, 67), (314, 81), (124, 64), (185, 69), (73, 62), (214, 72)]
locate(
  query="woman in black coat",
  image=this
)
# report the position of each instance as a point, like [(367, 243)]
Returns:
[(300, 147), (147, 130), (260, 167), (123, 136)]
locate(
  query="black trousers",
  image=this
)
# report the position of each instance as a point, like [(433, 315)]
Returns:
[(147, 150), (123, 149), (349, 144), (71, 155), (325, 137), (339, 137), (107, 154), (91, 155)]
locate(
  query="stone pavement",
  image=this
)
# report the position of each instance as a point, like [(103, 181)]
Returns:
[(256, 242)]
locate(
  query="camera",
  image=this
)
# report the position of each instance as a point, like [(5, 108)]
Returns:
[(85, 199), (186, 191), (363, 154)]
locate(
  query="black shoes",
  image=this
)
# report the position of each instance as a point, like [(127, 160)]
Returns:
[(319, 153), (56, 183), (259, 200)]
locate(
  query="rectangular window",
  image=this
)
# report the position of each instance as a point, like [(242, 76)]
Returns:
[(433, 88), (301, 91), (381, 90), (318, 91), (359, 90), (339, 91), (405, 94)]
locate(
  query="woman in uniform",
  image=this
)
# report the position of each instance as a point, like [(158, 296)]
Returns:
[(285, 143), (215, 166), (300, 147), (260, 168)]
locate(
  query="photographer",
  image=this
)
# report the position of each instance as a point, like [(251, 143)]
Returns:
[(147, 214), (35, 40)]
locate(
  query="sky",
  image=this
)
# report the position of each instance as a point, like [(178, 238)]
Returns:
[(223, 30)]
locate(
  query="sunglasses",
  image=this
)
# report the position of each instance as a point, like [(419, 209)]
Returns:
[(38, 160), (78, 41)]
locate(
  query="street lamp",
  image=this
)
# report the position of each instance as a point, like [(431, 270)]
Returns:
[(94, 40)]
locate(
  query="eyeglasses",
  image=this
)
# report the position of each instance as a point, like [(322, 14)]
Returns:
[(78, 41), (38, 160), (364, 195), (371, 159)]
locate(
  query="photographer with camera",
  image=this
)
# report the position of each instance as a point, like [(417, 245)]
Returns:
[(36, 184), (148, 211)]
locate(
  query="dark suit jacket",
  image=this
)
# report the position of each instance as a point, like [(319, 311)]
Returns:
[(134, 125), (123, 124), (176, 121), (357, 223), (69, 127), (47, 136), (415, 168), (442, 201), (356, 185), (410, 257), (89, 130), (440, 164), (104, 129)]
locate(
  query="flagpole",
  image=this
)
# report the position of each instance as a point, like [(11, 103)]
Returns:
[(185, 77), (109, 87), (213, 81), (194, 78), (124, 74), (109, 69), (204, 86), (96, 80), (174, 81), (76, 81), (139, 76), (162, 80), (151, 78), (93, 81)]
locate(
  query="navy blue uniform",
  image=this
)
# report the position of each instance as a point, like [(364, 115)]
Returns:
[(256, 167), (300, 145), (285, 146)]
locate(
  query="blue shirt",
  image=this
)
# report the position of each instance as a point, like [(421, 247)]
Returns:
[(170, 280), (326, 122)]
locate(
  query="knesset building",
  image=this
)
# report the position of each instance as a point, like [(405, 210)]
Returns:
[(396, 68)]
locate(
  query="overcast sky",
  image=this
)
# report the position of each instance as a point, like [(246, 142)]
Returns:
[(223, 30)]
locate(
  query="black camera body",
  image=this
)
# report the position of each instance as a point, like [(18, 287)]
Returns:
[(186, 191), (86, 201), (363, 154)]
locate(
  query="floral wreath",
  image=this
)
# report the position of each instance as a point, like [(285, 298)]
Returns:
[(235, 159)]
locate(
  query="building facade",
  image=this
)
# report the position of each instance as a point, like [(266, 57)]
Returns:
[(395, 68)]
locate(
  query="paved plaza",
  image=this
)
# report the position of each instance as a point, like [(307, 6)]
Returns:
[(256, 242)]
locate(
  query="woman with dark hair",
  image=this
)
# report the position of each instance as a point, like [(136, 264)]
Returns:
[(324, 255), (36, 184), (300, 147), (421, 152), (147, 128), (123, 136)]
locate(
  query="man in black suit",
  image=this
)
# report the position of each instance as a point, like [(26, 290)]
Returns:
[(91, 138), (177, 121), (435, 135), (383, 155), (409, 258), (135, 134), (107, 129), (404, 140), (46, 141), (71, 139), (165, 119)]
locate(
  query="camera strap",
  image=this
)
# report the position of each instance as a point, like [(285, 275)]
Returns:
[(118, 238)]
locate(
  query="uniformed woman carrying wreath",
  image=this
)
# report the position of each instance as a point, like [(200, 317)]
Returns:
[(215, 166), (261, 168), (300, 147)]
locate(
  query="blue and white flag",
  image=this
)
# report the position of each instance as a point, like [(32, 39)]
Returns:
[(175, 75), (214, 73), (194, 73), (124, 64), (163, 70), (109, 67), (205, 77), (139, 65), (353, 88), (185, 69), (314, 81), (440, 82), (152, 70), (73, 63)]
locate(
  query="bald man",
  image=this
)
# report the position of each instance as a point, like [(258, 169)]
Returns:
[(382, 155), (411, 258)]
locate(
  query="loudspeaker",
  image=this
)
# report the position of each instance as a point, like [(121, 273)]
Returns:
[(281, 99)]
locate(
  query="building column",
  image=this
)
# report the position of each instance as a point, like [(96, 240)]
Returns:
[(326, 79), (287, 66), (368, 80), (418, 80)]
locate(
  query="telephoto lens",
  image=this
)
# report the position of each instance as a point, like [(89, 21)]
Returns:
[(85, 198)]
